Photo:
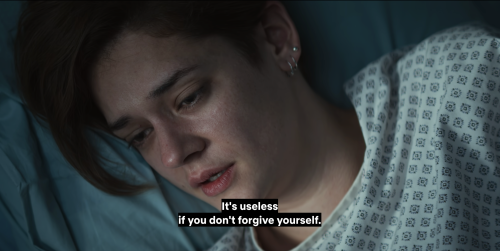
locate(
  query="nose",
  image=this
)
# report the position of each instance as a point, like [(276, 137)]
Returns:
[(177, 147)]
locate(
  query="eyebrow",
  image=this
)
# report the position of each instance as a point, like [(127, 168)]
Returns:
[(168, 83), (122, 122)]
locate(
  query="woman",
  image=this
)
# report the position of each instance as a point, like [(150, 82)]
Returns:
[(211, 96)]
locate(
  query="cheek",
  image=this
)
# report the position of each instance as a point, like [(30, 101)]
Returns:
[(245, 120), (234, 117)]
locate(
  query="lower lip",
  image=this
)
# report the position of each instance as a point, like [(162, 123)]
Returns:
[(220, 184)]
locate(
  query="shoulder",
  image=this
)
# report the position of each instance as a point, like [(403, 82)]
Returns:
[(430, 115), (458, 55), (463, 62)]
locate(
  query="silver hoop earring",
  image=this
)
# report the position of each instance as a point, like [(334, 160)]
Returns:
[(291, 69), (295, 62)]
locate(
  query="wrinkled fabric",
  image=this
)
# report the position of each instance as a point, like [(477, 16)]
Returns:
[(430, 117)]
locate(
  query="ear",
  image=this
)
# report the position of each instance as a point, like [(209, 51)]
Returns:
[(280, 35)]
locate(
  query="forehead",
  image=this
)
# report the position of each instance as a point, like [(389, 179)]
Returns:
[(136, 46), (139, 55), (135, 64)]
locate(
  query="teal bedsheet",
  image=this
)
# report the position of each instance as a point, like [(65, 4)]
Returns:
[(46, 205)]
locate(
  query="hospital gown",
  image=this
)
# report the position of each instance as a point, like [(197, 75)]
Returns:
[(430, 117)]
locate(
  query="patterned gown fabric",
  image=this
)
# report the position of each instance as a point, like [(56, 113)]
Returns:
[(430, 117)]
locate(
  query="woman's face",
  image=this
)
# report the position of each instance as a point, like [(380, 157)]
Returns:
[(194, 109)]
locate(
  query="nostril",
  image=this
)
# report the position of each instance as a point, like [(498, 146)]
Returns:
[(175, 160), (192, 157)]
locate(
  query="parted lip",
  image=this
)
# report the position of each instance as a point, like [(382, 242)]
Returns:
[(195, 180)]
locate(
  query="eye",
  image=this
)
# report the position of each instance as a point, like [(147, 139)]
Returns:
[(138, 140), (192, 99)]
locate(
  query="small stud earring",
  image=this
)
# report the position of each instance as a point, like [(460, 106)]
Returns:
[(295, 48)]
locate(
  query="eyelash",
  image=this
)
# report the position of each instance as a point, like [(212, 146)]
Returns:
[(197, 95), (141, 134)]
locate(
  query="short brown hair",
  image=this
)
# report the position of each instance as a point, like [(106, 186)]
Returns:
[(58, 43)]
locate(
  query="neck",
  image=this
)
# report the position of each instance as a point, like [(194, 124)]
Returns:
[(330, 150)]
